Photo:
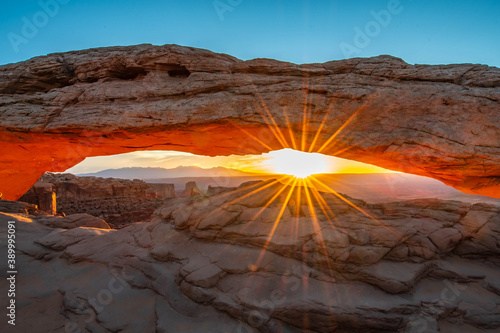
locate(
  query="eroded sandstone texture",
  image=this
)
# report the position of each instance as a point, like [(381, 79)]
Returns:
[(416, 266), (43, 195), (437, 121)]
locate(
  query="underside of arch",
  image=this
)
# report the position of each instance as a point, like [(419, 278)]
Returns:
[(437, 121)]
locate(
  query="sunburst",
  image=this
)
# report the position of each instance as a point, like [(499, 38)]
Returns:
[(299, 182), (297, 163)]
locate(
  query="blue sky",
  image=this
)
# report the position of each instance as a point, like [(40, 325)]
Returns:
[(299, 31), (430, 32)]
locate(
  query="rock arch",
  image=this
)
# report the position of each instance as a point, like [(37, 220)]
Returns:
[(437, 121)]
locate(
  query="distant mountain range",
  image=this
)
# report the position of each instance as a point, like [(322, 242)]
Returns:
[(155, 173)]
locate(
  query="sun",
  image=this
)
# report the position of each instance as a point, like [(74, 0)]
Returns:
[(297, 163)]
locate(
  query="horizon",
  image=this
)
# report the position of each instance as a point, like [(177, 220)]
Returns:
[(248, 172), (296, 31), (265, 163)]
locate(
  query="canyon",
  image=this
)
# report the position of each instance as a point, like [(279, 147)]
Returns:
[(439, 121), (117, 201)]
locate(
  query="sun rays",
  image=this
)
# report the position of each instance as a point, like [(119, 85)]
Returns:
[(296, 163), (300, 189), (299, 200)]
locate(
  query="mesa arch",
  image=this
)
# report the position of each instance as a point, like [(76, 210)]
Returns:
[(438, 121)]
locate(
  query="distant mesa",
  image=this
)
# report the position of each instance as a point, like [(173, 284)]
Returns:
[(214, 190), (190, 190), (114, 201), (117, 201)]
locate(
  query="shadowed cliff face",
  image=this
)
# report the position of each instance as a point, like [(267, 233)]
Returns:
[(437, 121)]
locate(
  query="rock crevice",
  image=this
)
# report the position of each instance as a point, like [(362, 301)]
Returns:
[(421, 265)]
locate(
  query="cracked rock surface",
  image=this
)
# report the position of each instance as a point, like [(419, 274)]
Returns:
[(208, 264), (438, 121)]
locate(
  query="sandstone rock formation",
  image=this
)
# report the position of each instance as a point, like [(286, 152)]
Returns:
[(162, 191), (73, 221), (118, 201), (415, 266), (18, 207), (69, 186), (213, 190), (43, 195), (437, 121), (190, 189)]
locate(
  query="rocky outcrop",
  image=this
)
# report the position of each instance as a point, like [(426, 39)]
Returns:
[(330, 231), (73, 221), (118, 201), (437, 121), (162, 191), (68, 186), (43, 195), (266, 258), (213, 190), (190, 189), (18, 207)]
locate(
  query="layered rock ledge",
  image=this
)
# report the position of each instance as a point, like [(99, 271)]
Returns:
[(117, 201), (415, 266), (437, 121)]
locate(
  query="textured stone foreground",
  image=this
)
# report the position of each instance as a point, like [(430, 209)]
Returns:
[(199, 266), (437, 121)]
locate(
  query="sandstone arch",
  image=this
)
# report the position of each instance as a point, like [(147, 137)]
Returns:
[(437, 121)]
